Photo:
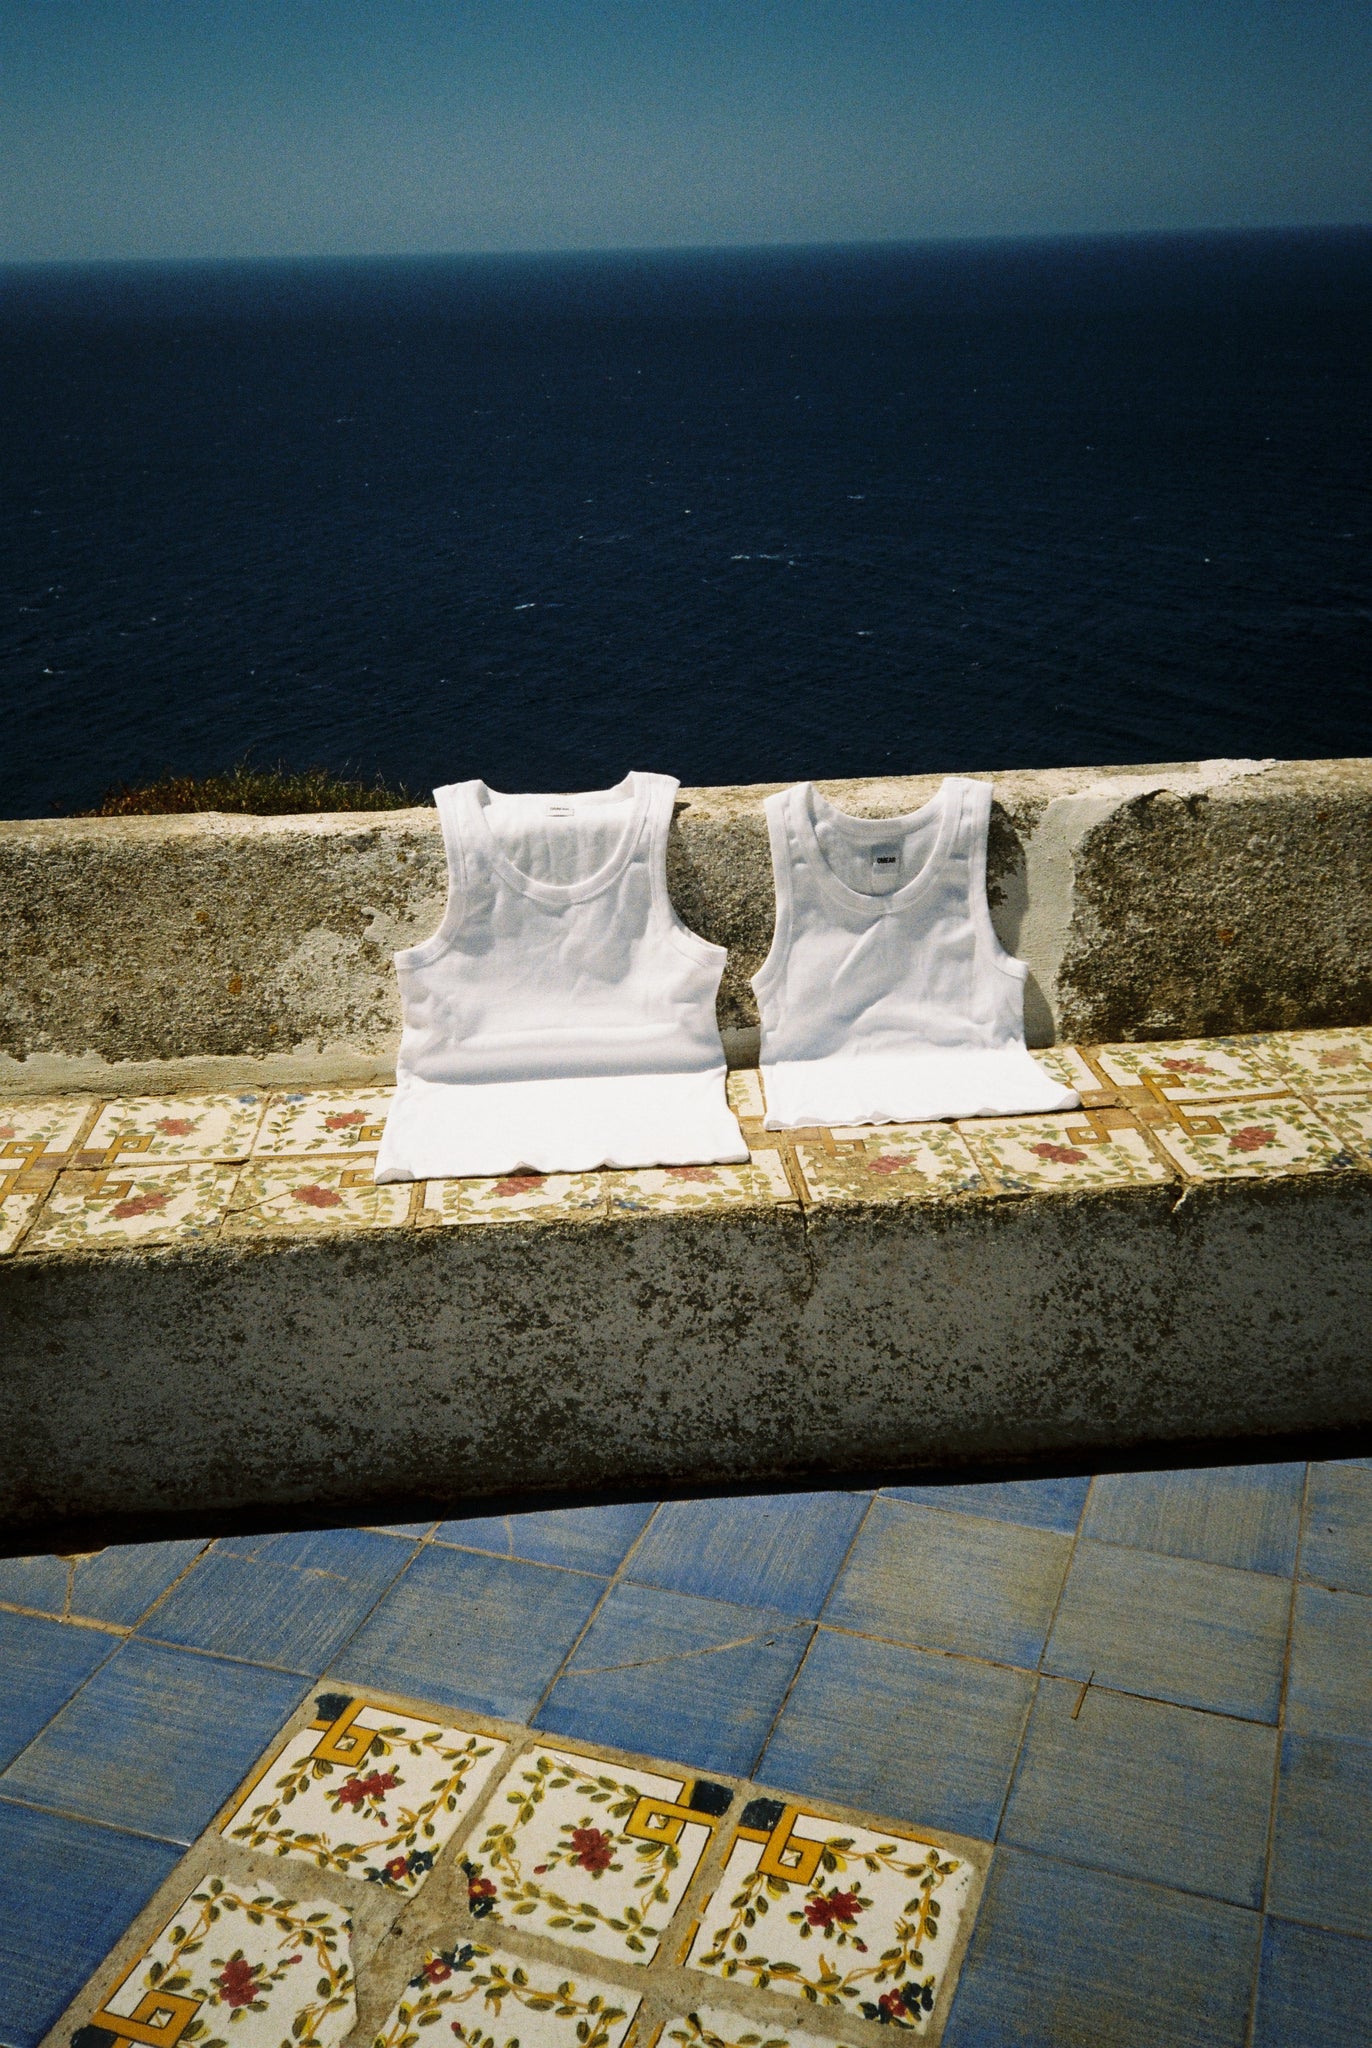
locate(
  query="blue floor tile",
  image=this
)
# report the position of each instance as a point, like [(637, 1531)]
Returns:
[(697, 1681), (1147, 1790), (1170, 1628), (1070, 1958), (1337, 1550), (67, 1892), (415, 1529), (41, 1665), (1038, 1503), (916, 1737), (156, 1740), (583, 1539), (1314, 1990), (779, 1550), (1321, 1862), (464, 1630), (952, 1582), (1329, 1691), (1246, 1516), (291, 1603)]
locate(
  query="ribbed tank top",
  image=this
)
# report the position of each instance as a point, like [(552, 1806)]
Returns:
[(886, 996), (562, 1017)]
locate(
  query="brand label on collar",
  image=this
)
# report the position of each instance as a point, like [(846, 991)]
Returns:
[(562, 810), (885, 860)]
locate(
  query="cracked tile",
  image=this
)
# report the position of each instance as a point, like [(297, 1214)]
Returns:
[(1050, 1153), (895, 1162), (674, 1188), (715, 2026), (315, 1194), (367, 1792), (330, 1120), (837, 1915), (40, 1132), (515, 1198), (743, 1088), (157, 1127), (1241, 1140), (484, 1996), (1351, 1117), (1068, 1068), (1330, 1062), (592, 1853), (18, 1208), (132, 1206), (1193, 1070), (237, 1955)]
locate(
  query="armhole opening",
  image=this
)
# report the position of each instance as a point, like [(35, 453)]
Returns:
[(425, 951), (660, 810), (779, 844), (1009, 964)]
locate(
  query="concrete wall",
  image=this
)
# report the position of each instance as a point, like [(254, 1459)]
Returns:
[(1168, 901)]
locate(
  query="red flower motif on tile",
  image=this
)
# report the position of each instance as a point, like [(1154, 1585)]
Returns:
[(1061, 1155), (519, 1183), (356, 1791), (317, 1197), (480, 1888), (692, 1173), (436, 1970), (1336, 1056), (1252, 1138), (343, 1119), (239, 1982), (593, 1849), (841, 1906), (397, 1868), (887, 1162), (139, 1205), (176, 1126), (9, 1130), (1176, 1066)]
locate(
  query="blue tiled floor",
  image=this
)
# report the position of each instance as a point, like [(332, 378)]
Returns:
[(1181, 1843)]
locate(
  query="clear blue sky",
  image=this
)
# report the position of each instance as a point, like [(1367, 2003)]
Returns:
[(133, 128)]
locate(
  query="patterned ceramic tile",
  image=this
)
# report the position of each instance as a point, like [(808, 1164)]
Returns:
[(835, 1914), (1193, 1070), (718, 2027), (492, 2000), (1351, 1117), (366, 1791), (133, 1205), (237, 1959), (762, 1180), (1053, 1152), (315, 1194), (590, 1852), (516, 1198), (1067, 1066), (1326, 1060), (17, 1210), (324, 1120), (1244, 1139), (173, 1127), (32, 1133), (744, 1090), (900, 1160)]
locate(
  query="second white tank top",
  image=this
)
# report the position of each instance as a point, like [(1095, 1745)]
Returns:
[(562, 1017), (886, 996)]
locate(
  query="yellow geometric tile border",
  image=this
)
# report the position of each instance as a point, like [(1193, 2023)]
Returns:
[(78, 1173)]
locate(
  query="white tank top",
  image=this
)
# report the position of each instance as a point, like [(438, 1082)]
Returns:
[(562, 1017), (886, 996)]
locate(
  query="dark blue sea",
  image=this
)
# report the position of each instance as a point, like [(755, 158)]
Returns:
[(743, 515)]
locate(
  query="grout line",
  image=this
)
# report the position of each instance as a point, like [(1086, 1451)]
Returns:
[(113, 1827), (614, 1580), (119, 1629), (1013, 1771)]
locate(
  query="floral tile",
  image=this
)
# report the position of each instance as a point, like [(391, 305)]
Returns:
[(1068, 1068), (590, 1852), (897, 1162), (1245, 1139), (315, 1194), (836, 1914), (516, 1198), (17, 1210), (493, 2000), (132, 1206), (173, 1127), (1193, 1070), (710, 2026), (743, 1087), (1324, 1060), (238, 1960), (1351, 1117), (324, 1120), (34, 1133), (366, 1791), (1042, 1152), (762, 1180)]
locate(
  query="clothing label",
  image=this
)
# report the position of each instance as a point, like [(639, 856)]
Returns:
[(885, 860), (562, 810)]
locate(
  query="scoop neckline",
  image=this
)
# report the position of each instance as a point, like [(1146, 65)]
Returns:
[(942, 801), (632, 786)]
